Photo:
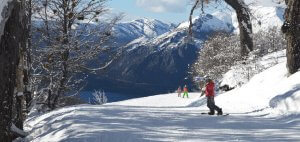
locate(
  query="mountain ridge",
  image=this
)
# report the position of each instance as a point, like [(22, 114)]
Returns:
[(126, 32), (160, 64)]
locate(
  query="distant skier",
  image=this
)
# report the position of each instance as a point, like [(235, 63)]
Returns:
[(185, 92), (210, 94), (179, 91)]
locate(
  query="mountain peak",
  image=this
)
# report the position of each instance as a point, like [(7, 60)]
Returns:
[(146, 20), (144, 27)]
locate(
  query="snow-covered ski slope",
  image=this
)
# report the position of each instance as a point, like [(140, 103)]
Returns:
[(267, 109)]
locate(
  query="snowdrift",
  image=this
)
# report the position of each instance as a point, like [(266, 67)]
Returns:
[(271, 89), (287, 100)]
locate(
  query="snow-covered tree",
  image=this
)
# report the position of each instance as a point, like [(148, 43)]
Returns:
[(219, 54), (216, 57), (244, 20), (291, 29), (99, 97), (269, 41), (68, 34)]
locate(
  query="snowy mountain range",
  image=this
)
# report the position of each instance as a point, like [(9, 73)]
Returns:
[(157, 56), (126, 32)]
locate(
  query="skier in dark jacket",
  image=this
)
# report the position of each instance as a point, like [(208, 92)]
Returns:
[(210, 94)]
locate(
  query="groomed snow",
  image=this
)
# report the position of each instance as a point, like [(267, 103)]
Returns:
[(265, 109), (164, 100)]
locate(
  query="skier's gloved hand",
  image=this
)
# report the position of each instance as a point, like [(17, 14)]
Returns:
[(202, 93)]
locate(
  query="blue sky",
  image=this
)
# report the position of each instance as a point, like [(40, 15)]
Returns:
[(172, 11)]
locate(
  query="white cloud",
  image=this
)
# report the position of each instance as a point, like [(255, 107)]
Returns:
[(175, 6)]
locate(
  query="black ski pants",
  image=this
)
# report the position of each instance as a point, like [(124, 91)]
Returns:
[(211, 104)]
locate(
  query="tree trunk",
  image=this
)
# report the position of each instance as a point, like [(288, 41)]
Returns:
[(20, 78), (245, 25), (27, 92), (10, 43), (291, 28)]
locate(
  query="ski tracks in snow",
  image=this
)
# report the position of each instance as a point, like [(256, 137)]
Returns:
[(119, 123)]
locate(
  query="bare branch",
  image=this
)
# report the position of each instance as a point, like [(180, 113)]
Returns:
[(191, 18)]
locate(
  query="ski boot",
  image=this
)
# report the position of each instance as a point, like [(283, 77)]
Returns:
[(220, 112)]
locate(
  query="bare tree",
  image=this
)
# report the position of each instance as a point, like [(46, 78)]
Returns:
[(70, 35), (291, 29), (219, 55), (243, 16), (99, 98), (268, 41)]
